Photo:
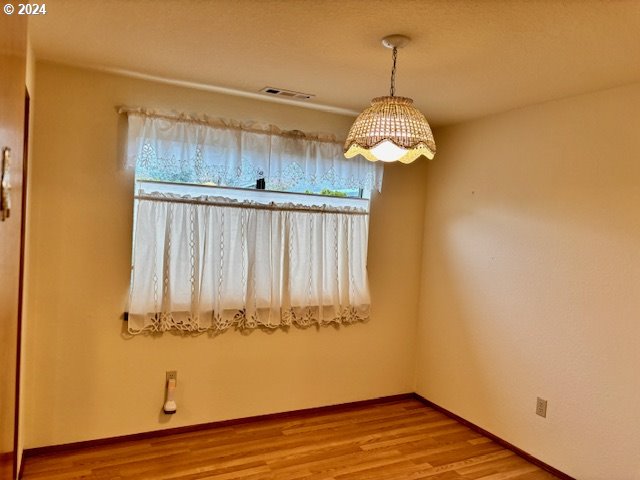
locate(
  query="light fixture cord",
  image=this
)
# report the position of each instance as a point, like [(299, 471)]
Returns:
[(394, 55)]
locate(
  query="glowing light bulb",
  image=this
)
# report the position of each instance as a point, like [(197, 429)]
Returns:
[(388, 151)]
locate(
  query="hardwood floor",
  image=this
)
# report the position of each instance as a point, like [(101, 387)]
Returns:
[(387, 441)]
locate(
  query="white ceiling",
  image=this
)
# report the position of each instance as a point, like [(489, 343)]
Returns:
[(467, 58)]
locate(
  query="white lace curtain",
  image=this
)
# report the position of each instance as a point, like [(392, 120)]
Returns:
[(228, 153), (211, 263)]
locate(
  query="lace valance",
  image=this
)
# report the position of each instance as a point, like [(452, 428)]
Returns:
[(181, 148)]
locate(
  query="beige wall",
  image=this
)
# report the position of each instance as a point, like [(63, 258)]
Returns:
[(85, 380), (531, 280)]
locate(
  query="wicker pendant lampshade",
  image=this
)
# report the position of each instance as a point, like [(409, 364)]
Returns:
[(391, 129)]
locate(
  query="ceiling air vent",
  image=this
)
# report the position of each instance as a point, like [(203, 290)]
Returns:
[(280, 92)]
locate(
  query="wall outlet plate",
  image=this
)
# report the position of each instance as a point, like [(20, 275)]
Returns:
[(172, 375), (541, 407)]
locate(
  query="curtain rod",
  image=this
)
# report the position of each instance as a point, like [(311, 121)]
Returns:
[(229, 124), (271, 206), (241, 189)]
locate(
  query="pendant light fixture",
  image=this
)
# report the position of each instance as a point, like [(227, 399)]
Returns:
[(391, 129)]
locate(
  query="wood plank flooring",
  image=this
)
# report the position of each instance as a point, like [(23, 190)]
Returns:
[(386, 441)]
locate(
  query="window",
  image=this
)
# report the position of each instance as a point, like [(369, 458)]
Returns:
[(210, 253)]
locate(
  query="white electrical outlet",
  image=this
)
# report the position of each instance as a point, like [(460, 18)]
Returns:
[(541, 407)]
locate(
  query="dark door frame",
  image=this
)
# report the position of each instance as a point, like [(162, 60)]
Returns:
[(23, 225)]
